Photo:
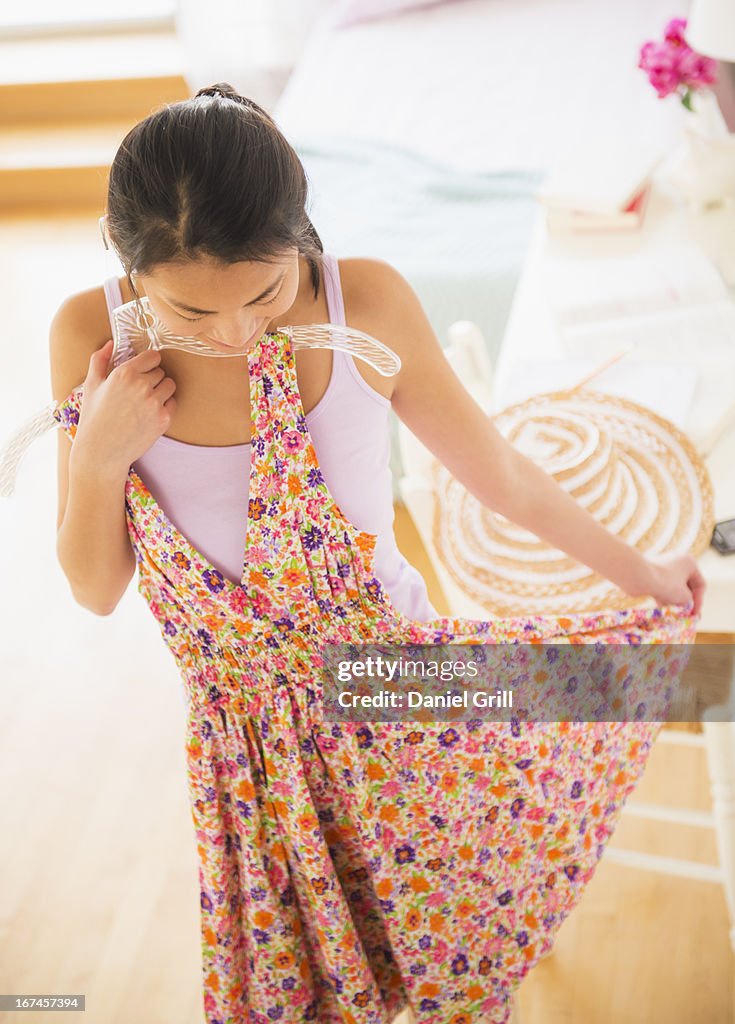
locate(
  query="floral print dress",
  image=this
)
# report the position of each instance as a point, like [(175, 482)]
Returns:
[(349, 869)]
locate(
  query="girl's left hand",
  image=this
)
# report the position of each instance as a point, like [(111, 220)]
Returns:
[(676, 579)]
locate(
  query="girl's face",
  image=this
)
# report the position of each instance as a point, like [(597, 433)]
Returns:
[(228, 306)]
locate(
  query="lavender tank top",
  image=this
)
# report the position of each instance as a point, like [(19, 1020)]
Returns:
[(203, 489)]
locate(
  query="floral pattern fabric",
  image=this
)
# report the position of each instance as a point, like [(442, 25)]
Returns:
[(347, 869)]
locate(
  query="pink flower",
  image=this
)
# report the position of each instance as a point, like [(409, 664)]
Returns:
[(239, 600), (441, 950), (673, 66), (312, 508), (261, 604), (661, 62), (696, 70), (258, 554), (293, 441), (271, 486), (674, 32)]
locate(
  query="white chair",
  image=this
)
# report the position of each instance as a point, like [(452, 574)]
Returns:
[(467, 355)]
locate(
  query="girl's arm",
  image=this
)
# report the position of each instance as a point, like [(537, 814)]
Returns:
[(432, 402), (92, 542), (93, 546)]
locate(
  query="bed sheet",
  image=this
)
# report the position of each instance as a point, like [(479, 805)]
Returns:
[(458, 237), (485, 84)]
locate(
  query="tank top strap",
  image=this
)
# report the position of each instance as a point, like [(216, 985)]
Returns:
[(113, 294), (336, 311), (113, 297), (66, 413), (333, 290)]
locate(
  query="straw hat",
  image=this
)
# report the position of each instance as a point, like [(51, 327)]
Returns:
[(636, 472)]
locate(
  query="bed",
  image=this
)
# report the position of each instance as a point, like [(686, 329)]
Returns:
[(426, 134)]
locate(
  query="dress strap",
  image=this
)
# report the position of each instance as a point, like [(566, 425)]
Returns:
[(278, 414), (291, 510)]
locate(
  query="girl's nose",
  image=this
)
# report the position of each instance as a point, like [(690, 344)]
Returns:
[(234, 334)]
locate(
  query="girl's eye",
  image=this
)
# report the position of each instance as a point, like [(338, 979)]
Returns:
[(193, 320)]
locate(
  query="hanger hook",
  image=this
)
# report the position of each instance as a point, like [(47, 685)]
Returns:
[(103, 232)]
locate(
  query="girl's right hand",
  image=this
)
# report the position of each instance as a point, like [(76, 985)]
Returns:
[(676, 579), (124, 409)]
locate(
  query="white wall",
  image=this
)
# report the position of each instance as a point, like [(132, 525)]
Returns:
[(252, 44)]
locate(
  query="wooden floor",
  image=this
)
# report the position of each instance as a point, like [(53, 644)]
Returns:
[(98, 863)]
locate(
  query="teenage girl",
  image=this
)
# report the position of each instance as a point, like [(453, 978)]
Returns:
[(206, 209)]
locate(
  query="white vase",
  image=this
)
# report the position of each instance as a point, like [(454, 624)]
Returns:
[(701, 172)]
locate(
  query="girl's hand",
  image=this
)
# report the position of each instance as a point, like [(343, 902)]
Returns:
[(124, 409), (676, 579)]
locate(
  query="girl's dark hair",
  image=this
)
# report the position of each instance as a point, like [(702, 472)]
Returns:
[(211, 176)]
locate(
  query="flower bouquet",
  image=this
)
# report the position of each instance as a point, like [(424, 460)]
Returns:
[(702, 170)]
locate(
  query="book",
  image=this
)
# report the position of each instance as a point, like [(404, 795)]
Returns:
[(658, 280), (560, 220), (601, 179)]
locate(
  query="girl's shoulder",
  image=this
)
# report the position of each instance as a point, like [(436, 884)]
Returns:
[(370, 297), (360, 275), (78, 328), (375, 294), (380, 301), (87, 308)]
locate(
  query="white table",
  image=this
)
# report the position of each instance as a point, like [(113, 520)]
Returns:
[(531, 333)]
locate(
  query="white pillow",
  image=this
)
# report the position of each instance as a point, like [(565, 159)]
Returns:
[(353, 12)]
